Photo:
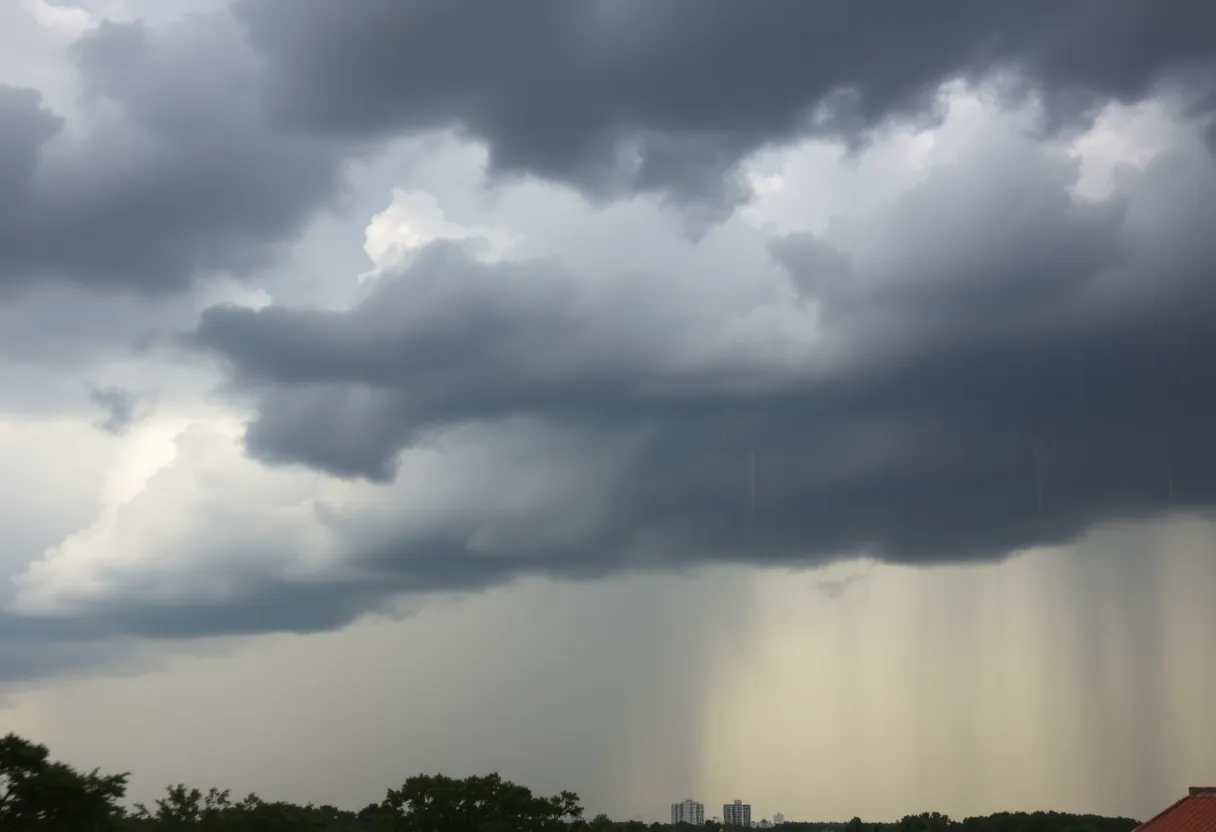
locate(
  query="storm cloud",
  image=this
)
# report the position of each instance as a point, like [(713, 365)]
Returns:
[(986, 362), (205, 145), (991, 363), (167, 171), (631, 94)]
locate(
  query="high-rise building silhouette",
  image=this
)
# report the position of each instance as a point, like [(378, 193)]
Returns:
[(737, 814), (689, 811)]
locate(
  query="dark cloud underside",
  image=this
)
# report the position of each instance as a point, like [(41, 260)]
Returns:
[(979, 412), (667, 95), (171, 171), (120, 406), (1002, 365)]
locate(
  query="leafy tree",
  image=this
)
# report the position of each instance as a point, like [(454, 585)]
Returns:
[(925, 822), (39, 795), (435, 803)]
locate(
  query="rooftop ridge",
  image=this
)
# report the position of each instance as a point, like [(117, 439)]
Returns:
[(1184, 814)]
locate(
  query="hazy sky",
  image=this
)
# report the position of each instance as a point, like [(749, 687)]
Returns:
[(811, 403)]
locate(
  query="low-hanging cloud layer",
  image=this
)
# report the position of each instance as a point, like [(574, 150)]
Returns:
[(988, 365), (986, 357), (631, 94)]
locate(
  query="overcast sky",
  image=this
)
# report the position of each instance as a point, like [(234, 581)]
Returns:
[(810, 403)]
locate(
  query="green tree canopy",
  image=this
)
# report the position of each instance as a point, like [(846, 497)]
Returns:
[(39, 795), (435, 803)]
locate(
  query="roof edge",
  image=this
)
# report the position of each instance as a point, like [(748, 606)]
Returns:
[(1193, 792), (1162, 813)]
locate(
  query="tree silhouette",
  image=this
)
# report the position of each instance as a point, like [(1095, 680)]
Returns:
[(38, 795), (427, 803)]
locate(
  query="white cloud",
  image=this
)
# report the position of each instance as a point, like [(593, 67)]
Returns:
[(1123, 136), (188, 516), (414, 219), (52, 479), (69, 22)]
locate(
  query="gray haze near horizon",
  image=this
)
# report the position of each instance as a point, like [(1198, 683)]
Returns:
[(1075, 679)]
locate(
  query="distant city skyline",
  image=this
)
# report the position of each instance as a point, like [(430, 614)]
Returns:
[(739, 814)]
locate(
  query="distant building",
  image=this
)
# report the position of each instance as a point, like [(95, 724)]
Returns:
[(737, 814), (1195, 811), (778, 818), (689, 811)]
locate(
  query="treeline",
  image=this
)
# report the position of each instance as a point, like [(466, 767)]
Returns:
[(41, 795), (1001, 822), (936, 822)]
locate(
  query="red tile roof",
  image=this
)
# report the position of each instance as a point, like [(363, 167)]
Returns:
[(1194, 813)]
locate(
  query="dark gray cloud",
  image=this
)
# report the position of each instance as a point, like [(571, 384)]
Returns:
[(198, 149), (28, 127), (1000, 366), (120, 406), (32, 649), (996, 241), (668, 95), (169, 169)]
